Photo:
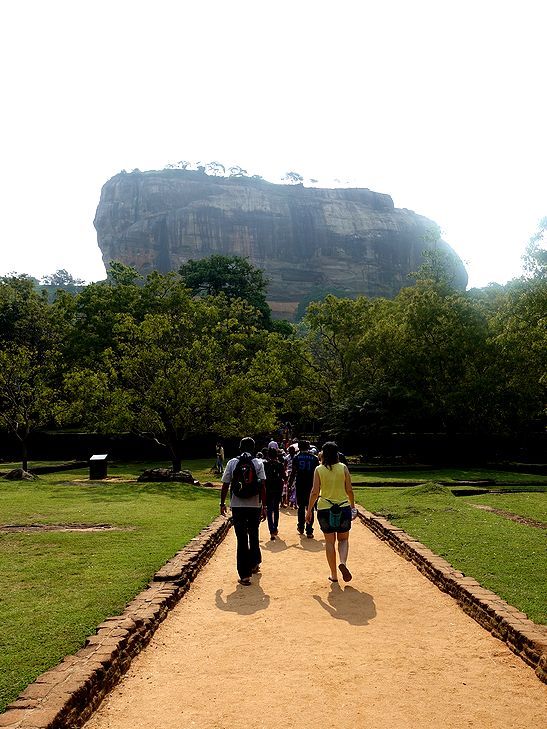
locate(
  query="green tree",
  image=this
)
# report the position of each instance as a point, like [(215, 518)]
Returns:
[(438, 267), (237, 171), (24, 312), (27, 392), (88, 319), (293, 178), (430, 360), (232, 276), (519, 332), (63, 278), (197, 369), (350, 344), (30, 364), (535, 256), (447, 366), (216, 169)]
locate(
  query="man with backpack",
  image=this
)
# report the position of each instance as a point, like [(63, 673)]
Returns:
[(303, 467), (245, 477)]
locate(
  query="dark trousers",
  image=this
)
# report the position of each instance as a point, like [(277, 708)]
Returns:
[(272, 505), (246, 524), (302, 498)]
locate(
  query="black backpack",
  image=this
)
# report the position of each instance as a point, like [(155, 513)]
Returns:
[(274, 471), (245, 482)]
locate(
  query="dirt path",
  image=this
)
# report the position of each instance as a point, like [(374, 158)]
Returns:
[(386, 650)]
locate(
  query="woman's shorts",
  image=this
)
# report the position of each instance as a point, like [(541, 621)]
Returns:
[(324, 522)]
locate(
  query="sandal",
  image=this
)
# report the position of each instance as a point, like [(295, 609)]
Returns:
[(346, 574), (332, 579)]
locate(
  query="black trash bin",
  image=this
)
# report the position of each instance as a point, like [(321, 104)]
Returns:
[(98, 466)]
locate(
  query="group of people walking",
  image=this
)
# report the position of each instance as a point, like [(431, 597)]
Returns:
[(258, 485)]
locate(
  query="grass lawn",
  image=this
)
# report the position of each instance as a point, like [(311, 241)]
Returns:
[(56, 587), (449, 474), (531, 506), (508, 558)]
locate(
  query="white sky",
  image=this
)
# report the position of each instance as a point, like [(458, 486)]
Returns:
[(440, 103)]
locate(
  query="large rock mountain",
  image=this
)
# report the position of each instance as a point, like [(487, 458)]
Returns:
[(309, 241)]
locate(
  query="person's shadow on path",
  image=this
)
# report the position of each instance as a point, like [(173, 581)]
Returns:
[(349, 604), (244, 600), (309, 545), (279, 545)]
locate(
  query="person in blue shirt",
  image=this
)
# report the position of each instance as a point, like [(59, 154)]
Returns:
[(303, 467)]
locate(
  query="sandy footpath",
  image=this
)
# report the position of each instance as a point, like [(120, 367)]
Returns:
[(387, 650)]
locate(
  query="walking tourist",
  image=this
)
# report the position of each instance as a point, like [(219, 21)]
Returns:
[(245, 478), (219, 465), (275, 471), (286, 500), (335, 508), (303, 466)]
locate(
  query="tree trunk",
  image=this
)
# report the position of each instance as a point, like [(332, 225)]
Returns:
[(24, 454), (175, 446)]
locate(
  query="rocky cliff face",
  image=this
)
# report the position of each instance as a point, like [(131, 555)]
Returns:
[(308, 240)]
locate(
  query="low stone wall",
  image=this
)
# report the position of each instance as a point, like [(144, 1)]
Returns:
[(66, 695), (525, 638)]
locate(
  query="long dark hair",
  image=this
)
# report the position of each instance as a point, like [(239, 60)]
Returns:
[(330, 454)]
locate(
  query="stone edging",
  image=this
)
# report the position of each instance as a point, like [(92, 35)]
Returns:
[(525, 638), (66, 695)]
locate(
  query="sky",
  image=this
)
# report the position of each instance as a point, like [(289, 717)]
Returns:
[(440, 104)]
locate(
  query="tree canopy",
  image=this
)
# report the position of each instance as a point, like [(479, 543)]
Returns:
[(233, 276), (194, 352)]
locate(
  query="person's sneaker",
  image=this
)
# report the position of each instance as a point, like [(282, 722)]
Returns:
[(309, 535), (300, 530), (255, 569), (245, 581), (272, 537)]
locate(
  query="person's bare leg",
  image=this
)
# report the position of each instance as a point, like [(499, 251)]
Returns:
[(343, 546), (343, 549), (330, 551)]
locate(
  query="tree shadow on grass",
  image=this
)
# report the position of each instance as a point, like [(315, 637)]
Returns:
[(349, 604), (98, 492)]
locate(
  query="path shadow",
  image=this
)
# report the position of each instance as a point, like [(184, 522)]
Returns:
[(279, 545), (243, 600), (349, 604), (309, 545)]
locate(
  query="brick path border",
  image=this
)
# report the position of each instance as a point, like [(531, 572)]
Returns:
[(65, 696), (525, 638)]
